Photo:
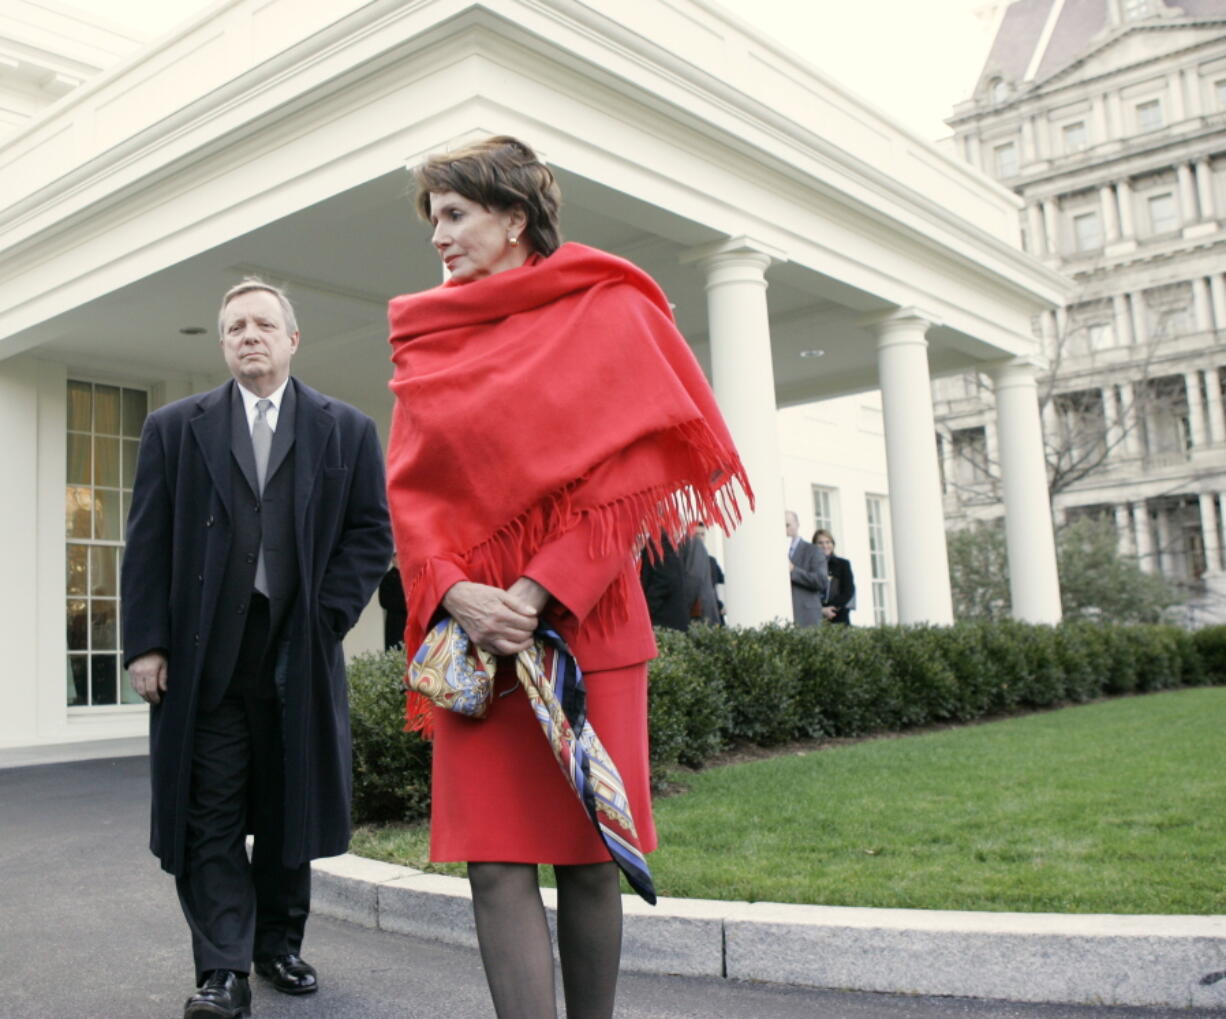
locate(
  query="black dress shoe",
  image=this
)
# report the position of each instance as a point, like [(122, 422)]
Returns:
[(223, 995), (289, 974)]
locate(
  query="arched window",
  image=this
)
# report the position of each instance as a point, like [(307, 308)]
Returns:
[(998, 91)]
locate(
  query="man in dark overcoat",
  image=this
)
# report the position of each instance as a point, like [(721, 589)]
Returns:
[(257, 534)]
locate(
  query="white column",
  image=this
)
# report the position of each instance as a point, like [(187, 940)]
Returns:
[(1034, 220), (1123, 525), (1164, 550), (917, 520), (1029, 150), (1128, 229), (1196, 409), (1115, 117), (1111, 420), (1111, 222), (1175, 88), (948, 462), (1192, 94), (1123, 321), (1200, 304), (1209, 532), (1098, 120), (1048, 208), (1217, 291), (1187, 193), (1145, 537), (744, 382), (1140, 329), (1130, 419), (1213, 391), (1034, 585), (973, 153), (1204, 189)]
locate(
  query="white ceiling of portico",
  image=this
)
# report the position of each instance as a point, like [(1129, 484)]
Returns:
[(343, 258)]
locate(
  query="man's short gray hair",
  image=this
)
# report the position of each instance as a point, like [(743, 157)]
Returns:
[(249, 285)]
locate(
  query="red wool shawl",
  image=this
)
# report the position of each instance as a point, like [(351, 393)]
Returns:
[(533, 398)]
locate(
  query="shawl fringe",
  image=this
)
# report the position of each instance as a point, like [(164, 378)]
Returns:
[(636, 522)]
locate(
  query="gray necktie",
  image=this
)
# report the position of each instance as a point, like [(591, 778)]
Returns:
[(261, 441)]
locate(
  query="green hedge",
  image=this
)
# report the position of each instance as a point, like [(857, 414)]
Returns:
[(719, 686)]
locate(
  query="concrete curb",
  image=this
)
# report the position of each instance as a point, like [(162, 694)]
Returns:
[(1172, 961)]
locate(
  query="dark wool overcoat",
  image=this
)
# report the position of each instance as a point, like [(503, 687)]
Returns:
[(178, 538)]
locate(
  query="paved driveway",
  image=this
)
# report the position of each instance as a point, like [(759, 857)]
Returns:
[(89, 926)]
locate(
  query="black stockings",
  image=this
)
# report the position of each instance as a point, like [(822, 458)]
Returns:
[(514, 938)]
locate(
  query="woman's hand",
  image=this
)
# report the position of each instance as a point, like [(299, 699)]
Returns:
[(498, 621)]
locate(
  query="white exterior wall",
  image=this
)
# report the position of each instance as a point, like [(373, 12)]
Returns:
[(840, 445), (208, 156)]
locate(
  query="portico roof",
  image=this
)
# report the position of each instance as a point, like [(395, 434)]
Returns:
[(272, 138)]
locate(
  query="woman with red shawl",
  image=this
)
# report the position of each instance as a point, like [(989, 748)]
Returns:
[(549, 420)]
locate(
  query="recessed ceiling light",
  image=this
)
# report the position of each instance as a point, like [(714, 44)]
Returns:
[(812, 353), (193, 330)]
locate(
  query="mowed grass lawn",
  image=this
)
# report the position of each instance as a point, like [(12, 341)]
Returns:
[(1113, 807)]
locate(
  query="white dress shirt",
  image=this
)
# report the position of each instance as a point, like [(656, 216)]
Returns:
[(250, 399)]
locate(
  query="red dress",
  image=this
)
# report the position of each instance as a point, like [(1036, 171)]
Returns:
[(497, 791)]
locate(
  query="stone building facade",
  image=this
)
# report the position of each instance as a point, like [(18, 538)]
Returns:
[(1108, 119)]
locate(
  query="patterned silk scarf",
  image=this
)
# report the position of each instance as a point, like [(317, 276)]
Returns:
[(554, 684)]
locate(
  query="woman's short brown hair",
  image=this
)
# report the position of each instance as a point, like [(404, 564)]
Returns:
[(820, 532), (498, 173)]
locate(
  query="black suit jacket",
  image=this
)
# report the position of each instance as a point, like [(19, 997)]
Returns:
[(842, 588), (181, 529)]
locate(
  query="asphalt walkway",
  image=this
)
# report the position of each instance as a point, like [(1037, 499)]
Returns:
[(90, 927)]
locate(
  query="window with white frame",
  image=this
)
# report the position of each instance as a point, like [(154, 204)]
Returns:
[(1076, 136), (998, 90), (878, 558), (1087, 231), (823, 508), (1004, 158), (1163, 213), (104, 425), (1149, 115)]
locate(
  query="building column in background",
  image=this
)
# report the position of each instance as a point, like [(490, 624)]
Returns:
[(758, 590), (918, 522)]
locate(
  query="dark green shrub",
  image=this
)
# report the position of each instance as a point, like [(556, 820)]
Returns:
[(1210, 644), (1075, 647), (759, 678), (977, 672), (687, 707), (855, 691), (924, 688), (391, 767), (716, 685)]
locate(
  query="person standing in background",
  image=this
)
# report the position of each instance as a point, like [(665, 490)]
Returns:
[(841, 591), (807, 567)]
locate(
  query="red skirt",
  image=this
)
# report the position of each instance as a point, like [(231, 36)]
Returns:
[(498, 794)]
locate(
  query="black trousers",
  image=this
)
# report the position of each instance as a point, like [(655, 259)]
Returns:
[(240, 909)]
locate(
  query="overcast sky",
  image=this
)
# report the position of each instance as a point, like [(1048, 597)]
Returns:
[(912, 58)]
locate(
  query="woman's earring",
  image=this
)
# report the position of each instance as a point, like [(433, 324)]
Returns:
[(514, 240)]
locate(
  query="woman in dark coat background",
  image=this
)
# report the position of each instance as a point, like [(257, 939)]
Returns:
[(842, 591)]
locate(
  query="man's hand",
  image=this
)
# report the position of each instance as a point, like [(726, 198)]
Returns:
[(148, 674), (829, 611), (496, 620)]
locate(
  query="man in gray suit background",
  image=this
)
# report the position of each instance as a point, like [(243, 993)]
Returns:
[(807, 564)]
